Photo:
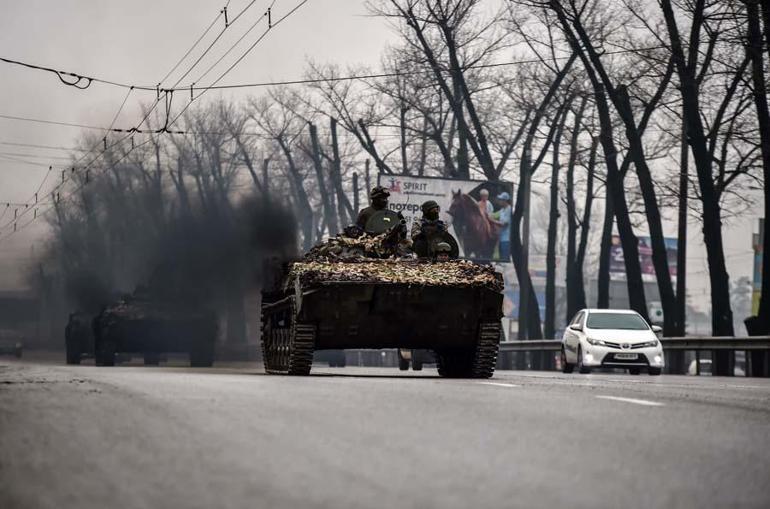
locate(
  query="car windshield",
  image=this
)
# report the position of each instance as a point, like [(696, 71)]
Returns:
[(616, 321)]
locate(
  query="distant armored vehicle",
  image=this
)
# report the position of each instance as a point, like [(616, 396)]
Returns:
[(11, 343), (362, 293), (79, 337), (137, 324)]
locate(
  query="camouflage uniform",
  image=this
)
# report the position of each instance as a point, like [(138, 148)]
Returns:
[(427, 226), (379, 199)]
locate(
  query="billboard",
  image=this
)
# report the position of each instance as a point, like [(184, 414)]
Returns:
[(475, 210), (618, 265)]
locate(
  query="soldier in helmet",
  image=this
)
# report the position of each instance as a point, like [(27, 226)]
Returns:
[(442, 252), (429, 224), (378, 200)]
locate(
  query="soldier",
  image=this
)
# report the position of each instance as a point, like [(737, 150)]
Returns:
[(429, 224), (443, 251), (378, 199)]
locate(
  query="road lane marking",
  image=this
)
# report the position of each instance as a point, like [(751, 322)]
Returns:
[(499, 384), (643, 402)]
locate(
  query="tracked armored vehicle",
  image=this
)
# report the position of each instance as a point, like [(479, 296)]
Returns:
[(138, 324), (364, 293)]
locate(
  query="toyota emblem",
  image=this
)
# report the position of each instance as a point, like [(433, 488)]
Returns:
[(625, 346)]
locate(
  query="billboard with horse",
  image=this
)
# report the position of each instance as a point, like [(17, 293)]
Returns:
[(478, 212)]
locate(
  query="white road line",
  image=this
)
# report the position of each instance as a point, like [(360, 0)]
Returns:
[(643, 402), (498, 384)]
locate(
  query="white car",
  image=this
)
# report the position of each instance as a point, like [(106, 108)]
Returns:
[(611, 338)]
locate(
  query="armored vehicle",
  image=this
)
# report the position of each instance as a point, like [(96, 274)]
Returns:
[(11, 343), (363, 293), (138, 324), (79, 337)]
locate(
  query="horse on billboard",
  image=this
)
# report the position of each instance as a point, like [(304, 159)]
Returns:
[(477, 234)]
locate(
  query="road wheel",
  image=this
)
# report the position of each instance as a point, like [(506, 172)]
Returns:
[(566, 367), (634, 371), (151, 358), (654, 371), (73, 353), (581, 368), (287, 344)]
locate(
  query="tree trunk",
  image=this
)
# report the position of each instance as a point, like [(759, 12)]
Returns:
[(721, 312), (529, 314), (572, 221), (326, 199), (754, 50), (628, 239), (549, 328), (345, 210), (304, 210), (577, 270), (603, 279), (671, 319), (402, 131), (681, 247)]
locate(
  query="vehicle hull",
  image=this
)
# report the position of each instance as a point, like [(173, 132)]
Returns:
[(366, 315)]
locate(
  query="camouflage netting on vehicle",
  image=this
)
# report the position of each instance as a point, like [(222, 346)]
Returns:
[(454, 273), (343, 247)]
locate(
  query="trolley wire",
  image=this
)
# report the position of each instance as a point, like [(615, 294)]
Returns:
[(168, 97)]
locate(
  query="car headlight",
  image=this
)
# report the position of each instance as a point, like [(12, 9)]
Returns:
[(595, 341), (646, 344)]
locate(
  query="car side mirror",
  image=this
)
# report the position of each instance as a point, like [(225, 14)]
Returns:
[(657, 329), (576, 326)]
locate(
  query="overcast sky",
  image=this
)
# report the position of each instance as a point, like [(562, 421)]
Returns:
[(138, 42)]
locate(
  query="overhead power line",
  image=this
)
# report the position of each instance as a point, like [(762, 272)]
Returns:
[(81, 81), (130, 132), (198, 88), (48, 147)]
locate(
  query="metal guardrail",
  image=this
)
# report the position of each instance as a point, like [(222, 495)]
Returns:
[(685, 343), (722, 350)]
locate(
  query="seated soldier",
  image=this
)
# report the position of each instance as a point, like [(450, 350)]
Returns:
[(378, 199), (429, 224), (442, 252)]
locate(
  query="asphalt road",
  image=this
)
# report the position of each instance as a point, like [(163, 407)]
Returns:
[(87, 437)]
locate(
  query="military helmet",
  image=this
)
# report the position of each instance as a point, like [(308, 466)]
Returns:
[(379, 192), (428, 205)]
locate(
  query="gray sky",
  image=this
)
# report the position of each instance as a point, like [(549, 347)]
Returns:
[(139, 41)]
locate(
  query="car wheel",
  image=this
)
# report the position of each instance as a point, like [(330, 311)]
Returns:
[(566, 367), (634, 371), (581, 368), (654, 371)]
